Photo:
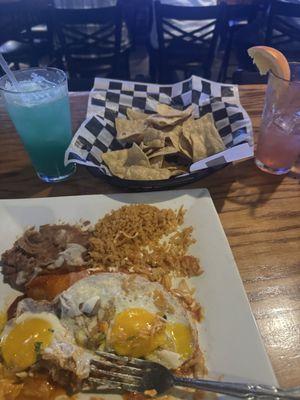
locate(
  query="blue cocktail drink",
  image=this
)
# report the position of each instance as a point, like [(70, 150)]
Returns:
[(40, 112)]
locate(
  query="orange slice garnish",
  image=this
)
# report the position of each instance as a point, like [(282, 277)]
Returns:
[(268, 59)]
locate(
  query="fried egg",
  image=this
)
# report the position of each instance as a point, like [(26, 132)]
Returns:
[(134, 316), (120, 313), (34, 336)]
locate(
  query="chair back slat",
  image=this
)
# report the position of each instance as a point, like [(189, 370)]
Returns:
[(285, 8), (197, 44), (187, 12), (14, 22), (89, 35), (280, 30), (236, 19), (170, 32)]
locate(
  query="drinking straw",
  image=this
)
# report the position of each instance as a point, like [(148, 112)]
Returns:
[(9, 73)]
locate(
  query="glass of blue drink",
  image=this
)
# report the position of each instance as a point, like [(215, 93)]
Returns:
[(39, 108)]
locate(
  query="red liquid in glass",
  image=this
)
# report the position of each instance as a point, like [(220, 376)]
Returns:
[(277, 149)]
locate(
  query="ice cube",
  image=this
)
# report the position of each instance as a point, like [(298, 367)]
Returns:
[(287, 122), (41, 81), (34, 91)]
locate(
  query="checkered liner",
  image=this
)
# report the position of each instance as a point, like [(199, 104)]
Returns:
[(111, 98)]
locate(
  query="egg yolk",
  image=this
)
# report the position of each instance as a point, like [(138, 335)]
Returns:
[(21, 347), (137, 333), (179, 339)]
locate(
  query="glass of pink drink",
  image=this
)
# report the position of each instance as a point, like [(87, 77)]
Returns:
[(278, 144)]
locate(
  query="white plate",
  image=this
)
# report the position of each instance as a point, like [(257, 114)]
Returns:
[(229, 336)]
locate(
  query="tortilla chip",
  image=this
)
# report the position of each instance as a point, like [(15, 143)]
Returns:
[(134, 114), (115, 160), (185, 147), (118, 161), (129, 130), (174, 134), (174, 165), (153, 138), (177, 171), (164, 151), (167, 111), (164, 144), (157, 161), (157, 121), (136, 156), (175, 168), (187, 128), (146, 149), (148, 174), (168, 116), (204, 137)]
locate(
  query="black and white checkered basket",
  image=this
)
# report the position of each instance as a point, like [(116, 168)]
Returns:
[(111, 98)]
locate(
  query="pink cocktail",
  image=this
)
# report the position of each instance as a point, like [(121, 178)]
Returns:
[(279, 140)]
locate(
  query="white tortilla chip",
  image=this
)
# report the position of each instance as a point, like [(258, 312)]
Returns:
[(204, 137), (153, 138), (170, 116), (170, 132), (136, 156), (156, 121), (135, 114), (157, 161), (167, 111), (174, 134), (146, 149), (147, 174), (129, 130), (162, 152), (177, 171), (185, 147), (118, 161), (187, 129)]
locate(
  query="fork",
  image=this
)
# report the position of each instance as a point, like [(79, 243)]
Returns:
[(110, 372)]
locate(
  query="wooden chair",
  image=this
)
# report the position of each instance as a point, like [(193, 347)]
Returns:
[(187, 51), (16, 42), (90, 40), (281, 28), (235, 17)]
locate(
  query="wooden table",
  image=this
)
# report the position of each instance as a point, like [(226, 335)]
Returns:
[(259, 212)]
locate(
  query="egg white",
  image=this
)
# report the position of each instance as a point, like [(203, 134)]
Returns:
[(109, 287), (117, 290), (62, 350), (52, 319), (123, 291)]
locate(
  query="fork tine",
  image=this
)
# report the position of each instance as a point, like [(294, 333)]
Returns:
[(93, 384), (136, 362), (111, 374), (100, 363), (105, 384)]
